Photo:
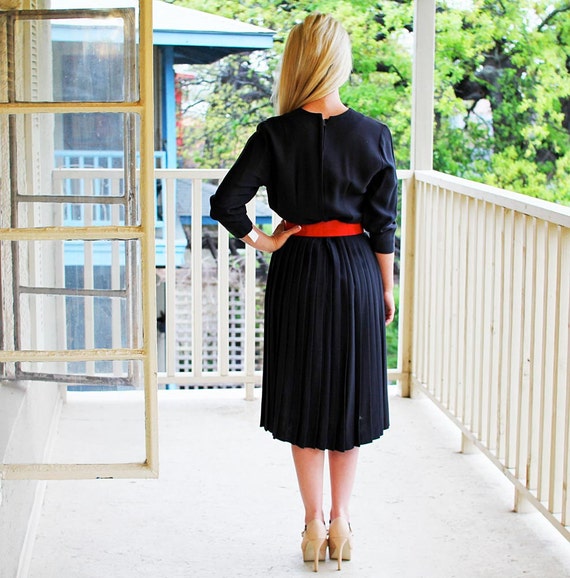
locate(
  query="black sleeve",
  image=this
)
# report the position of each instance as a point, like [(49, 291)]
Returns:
[(239, 186), (379, 216)]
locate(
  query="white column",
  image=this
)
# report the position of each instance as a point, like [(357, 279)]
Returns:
[(421, 157)]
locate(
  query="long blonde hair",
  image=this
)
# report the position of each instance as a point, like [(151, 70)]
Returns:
[(317, 60)]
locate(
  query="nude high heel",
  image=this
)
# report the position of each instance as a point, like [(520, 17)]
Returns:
[(340, 540), (314, 544)]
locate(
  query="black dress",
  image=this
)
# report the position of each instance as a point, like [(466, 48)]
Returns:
[(324, 371)]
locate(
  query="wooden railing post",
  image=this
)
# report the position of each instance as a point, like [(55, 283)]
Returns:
[(407, 268)]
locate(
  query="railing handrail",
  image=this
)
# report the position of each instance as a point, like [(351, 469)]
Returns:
[(101, 172), (96, 155), (531, 206), (93, 172), (190, 173)]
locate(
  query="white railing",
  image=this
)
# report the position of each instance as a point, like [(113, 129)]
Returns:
[(250, 326), (484, 315), (489, 320)]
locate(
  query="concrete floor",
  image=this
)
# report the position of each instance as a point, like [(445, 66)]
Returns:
[(226, 504)]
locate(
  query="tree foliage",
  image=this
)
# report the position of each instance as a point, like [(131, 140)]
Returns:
[(502, 84), (516, 55)]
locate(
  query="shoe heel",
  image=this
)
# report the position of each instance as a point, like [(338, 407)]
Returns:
[(314, 545), (315, 551), (340, 550), (318, 550), (340, 541)]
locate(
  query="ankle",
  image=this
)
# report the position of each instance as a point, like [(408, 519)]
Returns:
[(311, 517), (339, 514)]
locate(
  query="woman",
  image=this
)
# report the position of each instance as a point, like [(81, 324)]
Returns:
[(330, 174)]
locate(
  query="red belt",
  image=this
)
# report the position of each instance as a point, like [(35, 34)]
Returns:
[(327, 229)]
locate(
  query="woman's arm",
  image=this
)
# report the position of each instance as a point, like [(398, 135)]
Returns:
[(386, 262), (250, 171)]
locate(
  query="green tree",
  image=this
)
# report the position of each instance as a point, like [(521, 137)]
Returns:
[(515, 56), (511, 57)]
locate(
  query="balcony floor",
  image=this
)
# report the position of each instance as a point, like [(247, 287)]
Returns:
[(226, 502)]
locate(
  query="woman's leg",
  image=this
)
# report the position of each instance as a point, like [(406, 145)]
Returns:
[(342, 466), (309, 464)]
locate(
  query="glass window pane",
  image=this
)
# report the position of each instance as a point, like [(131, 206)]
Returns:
[(100, 189), (78, 290), (77, 55), (88, 60)]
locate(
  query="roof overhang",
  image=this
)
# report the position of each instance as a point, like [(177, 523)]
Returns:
[(197, 37)]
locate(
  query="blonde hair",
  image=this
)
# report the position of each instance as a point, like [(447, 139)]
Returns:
[(317, 60)]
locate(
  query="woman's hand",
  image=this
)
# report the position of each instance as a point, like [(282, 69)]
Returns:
[(389, 307), (270, 243)]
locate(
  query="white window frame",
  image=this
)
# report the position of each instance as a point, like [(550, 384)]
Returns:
[(144, 233)]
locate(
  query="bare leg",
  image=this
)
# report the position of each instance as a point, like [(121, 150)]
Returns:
[(309, 464), (342, 466)]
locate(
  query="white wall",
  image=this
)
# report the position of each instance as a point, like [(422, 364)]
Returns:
[(27, 415), (28, 410)]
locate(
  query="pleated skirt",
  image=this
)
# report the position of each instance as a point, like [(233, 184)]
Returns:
[(324, 370)]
